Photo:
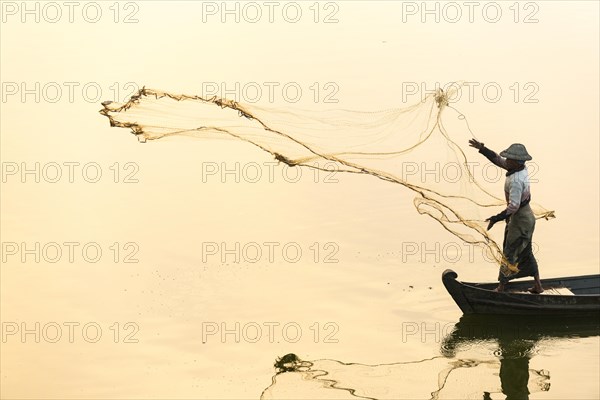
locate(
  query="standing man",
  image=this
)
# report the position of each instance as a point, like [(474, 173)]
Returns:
[(518, 234)]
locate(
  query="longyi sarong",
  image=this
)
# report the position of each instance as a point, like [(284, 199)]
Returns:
[(517, 247)]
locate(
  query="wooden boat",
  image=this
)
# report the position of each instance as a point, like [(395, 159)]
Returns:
[(576, 295)]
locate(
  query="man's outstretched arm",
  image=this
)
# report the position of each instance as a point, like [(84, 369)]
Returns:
[(489, 154)]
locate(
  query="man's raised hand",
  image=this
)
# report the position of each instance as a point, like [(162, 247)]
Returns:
[(476, 144)]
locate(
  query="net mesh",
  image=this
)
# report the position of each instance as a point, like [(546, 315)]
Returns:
[(409, 146)]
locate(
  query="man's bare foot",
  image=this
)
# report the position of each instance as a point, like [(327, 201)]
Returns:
[(536, 290), (499, 289)]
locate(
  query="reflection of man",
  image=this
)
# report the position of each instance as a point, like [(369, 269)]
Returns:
[(514, 368), (516, 346), (518, 234)]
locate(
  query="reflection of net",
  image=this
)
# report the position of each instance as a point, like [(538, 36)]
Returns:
[(407, 146), (435, 378)]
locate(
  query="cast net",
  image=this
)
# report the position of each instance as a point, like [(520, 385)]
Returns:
[(422, 147)]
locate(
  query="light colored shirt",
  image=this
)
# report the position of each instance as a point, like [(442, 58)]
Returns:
[(516, 190), (516, 186)]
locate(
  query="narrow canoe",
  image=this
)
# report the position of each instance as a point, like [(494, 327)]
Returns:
[(575, 295)]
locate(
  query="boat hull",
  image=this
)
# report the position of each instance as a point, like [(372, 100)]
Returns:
[(479, 298)]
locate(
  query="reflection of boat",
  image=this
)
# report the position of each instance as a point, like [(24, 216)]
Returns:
[(578, 295), (474, 329), (517, 337)]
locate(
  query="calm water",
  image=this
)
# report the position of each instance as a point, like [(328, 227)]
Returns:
[(151, 302)]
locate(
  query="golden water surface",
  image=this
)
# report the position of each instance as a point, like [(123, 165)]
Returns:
[(172, 270)]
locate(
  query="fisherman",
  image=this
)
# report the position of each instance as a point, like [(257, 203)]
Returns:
[(518, 233)]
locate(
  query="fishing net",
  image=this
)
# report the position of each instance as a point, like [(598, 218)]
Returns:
[(421, 147)]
